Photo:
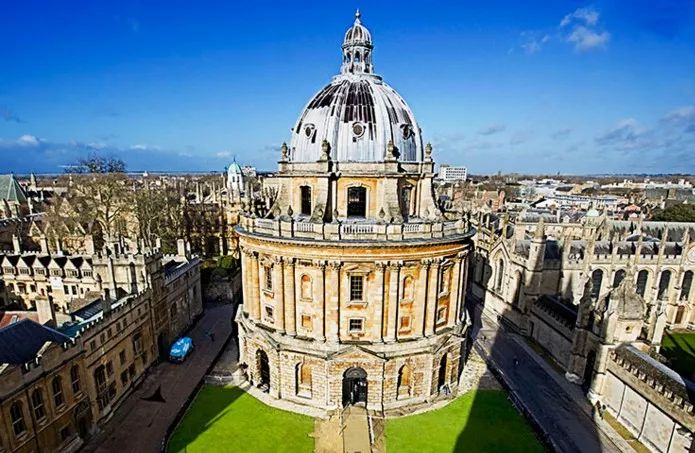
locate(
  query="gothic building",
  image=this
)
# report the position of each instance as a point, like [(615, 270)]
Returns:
[(354, 282), (598, 296)]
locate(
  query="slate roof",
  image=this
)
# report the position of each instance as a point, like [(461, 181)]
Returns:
[(22, 340), (10, 189)]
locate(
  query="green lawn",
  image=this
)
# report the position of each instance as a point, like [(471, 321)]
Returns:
[(225, 419), (679, 348), (482, 421)]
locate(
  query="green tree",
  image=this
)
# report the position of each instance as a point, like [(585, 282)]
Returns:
[(675, 213)]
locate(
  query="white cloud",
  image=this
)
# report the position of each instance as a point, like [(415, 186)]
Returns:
[(587, 15), (532, 42), (585, 38), (681, 115), (144, 147), (28, 140), (223, 154)]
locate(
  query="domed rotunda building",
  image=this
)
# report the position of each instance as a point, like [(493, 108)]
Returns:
[(354, 283)]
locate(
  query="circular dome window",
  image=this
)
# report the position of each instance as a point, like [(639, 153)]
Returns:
[(309, 129), (407, 131), (358, 129)]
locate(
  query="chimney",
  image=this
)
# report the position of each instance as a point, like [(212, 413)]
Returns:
[(158, 243), (15, 244), (181, 247), (44, 244), (46, 312)]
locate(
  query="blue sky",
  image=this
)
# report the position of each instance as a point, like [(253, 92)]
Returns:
[(531, 86)]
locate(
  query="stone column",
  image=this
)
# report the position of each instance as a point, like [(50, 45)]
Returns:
[(332, 320), (465, 266), (379, 284), (289, 297), (321, 265), (421, 291), (245, 287), (279, 294), (432, 296), (255, 288), (394, 271), (454, 289)]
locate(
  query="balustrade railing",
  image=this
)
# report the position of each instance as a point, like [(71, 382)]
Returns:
[(355, 231)]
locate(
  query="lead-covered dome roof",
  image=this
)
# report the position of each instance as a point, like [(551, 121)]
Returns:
[(357, 113)]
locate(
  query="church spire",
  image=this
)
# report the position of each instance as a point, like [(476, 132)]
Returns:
[(357, 49)]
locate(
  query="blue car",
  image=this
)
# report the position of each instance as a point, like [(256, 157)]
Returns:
[(180, 349)]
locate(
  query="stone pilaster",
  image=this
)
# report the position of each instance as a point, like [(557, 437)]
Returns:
[(289, 298), (392, 314), (332, 320)]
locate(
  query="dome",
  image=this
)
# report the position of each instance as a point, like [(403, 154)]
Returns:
[(357, 34), (358, 114)]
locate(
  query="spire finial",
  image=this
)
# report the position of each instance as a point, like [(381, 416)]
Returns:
[(358, 15)]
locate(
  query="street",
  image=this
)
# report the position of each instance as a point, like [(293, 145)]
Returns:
[(141, 426), (563, 420)]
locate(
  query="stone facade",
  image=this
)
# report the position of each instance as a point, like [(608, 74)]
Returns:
[(44, 405), (354, 282)]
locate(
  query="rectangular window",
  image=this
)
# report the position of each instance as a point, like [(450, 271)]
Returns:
[(404, 324), (356, 325), (269, 315), (441, 314), (121, 357), (356, 288), (268, 274), (109, 368), (124, 378), (306, 322), (137, 344), (306, 200)]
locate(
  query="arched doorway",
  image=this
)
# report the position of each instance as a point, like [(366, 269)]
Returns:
[(354, 386), (441, 380), (263, 370)]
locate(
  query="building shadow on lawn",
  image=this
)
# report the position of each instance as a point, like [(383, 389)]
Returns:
[(210, 405)]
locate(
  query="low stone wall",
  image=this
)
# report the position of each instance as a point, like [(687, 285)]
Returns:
[(650, 400)]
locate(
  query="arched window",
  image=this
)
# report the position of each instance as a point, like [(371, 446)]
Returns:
[(642, 278), (405, 382), (305, 192), (358, 58), (37, 404), (596, 280), (500, 275), (17, 416), (75, 378), (57, 386), (357, 202), (664, 284), (303, 376), (305, 287), (618, 278), (408, 288), (686, 285)]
